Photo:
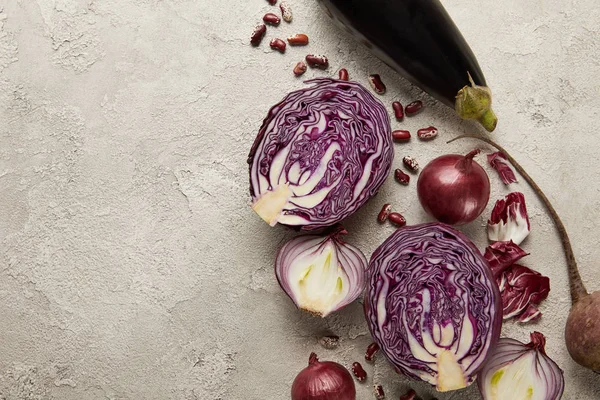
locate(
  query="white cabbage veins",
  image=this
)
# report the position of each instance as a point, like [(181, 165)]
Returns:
[(432, 305), (321, 153)]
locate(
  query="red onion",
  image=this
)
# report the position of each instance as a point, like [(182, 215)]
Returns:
[(521, 371), (325, 380), (321, 273), (454, 189)]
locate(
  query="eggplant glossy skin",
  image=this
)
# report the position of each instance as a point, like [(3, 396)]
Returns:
[(417, 38)]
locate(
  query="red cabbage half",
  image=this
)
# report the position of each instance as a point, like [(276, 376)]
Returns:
[(320, 154), (432, 305)]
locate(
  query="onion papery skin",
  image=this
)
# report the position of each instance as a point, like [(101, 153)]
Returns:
[(517, 370), (432, 305), (321, 273), (454, 189), (325, 380), (321, 153)]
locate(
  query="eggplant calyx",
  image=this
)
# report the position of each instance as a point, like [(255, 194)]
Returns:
[(475, 102)]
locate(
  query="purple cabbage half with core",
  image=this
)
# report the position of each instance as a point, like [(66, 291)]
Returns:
[(432, 305), (321, 273), (321, 153)]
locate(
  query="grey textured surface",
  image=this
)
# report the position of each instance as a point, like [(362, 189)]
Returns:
[(131, 266)]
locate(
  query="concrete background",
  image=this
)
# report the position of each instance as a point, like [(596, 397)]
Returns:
[(131, 266)]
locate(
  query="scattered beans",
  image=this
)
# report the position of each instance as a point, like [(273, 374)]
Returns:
[(299, 39), (258, 34), (343, 74), (317, 61), (330, 342), (413, 107), (410, 395), (397, 218), (371, 350), (401, 135), (271, 19), (401, 177), (286, 11), (377, 84), (272, 2), (359, 372), (277, 44), (398, 110), (411, 163), (427, 133), (300, 68), (385, 211), (379, 393)]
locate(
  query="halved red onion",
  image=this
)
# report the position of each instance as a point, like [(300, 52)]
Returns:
[(517, 370), (432, 305), (321, 153), (321, 274), (509, 220)]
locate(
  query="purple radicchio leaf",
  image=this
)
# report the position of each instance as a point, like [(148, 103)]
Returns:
[(501, 255), (509, 220), (522, 290), (499, 162)]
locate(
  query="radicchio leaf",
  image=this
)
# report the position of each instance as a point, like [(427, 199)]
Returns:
[(522, 290), (509, 220), (499, 162), (501, 255)]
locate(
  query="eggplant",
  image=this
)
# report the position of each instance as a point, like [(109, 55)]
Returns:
[(419, 40)]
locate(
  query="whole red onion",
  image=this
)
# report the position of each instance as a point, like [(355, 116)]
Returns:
[(323, 381), (454, 189)]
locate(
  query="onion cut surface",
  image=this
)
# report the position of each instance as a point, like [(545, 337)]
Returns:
[(321, 153), (432, 305)]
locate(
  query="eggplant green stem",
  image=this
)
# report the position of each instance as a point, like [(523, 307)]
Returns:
[(576, 286), (475, 102)]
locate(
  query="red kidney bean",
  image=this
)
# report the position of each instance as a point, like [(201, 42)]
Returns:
[(271, 19), (343, 74), (379, 393), (299, 39), (272, 2), (277, 44), (300, 68), (385, 211), (286, 11), (410, 395), (413, 107), (427, 133), (401, 135), (401, 177), (317, 61), (411, 163), (398, 110), (377, 84), (359, 372), (330, 342), (371, 350), (258, 34), (397, 218)]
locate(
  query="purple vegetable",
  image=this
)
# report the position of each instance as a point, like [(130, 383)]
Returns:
[(432, 305), (522, 290), (509, 220), (517, 370), (499, 162), (321, 153), (321, 274), (501, 255)]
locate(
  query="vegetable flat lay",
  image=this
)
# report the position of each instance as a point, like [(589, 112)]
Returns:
[(299, 199)]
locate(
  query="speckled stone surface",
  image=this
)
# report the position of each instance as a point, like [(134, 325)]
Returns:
[(131, 266)]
